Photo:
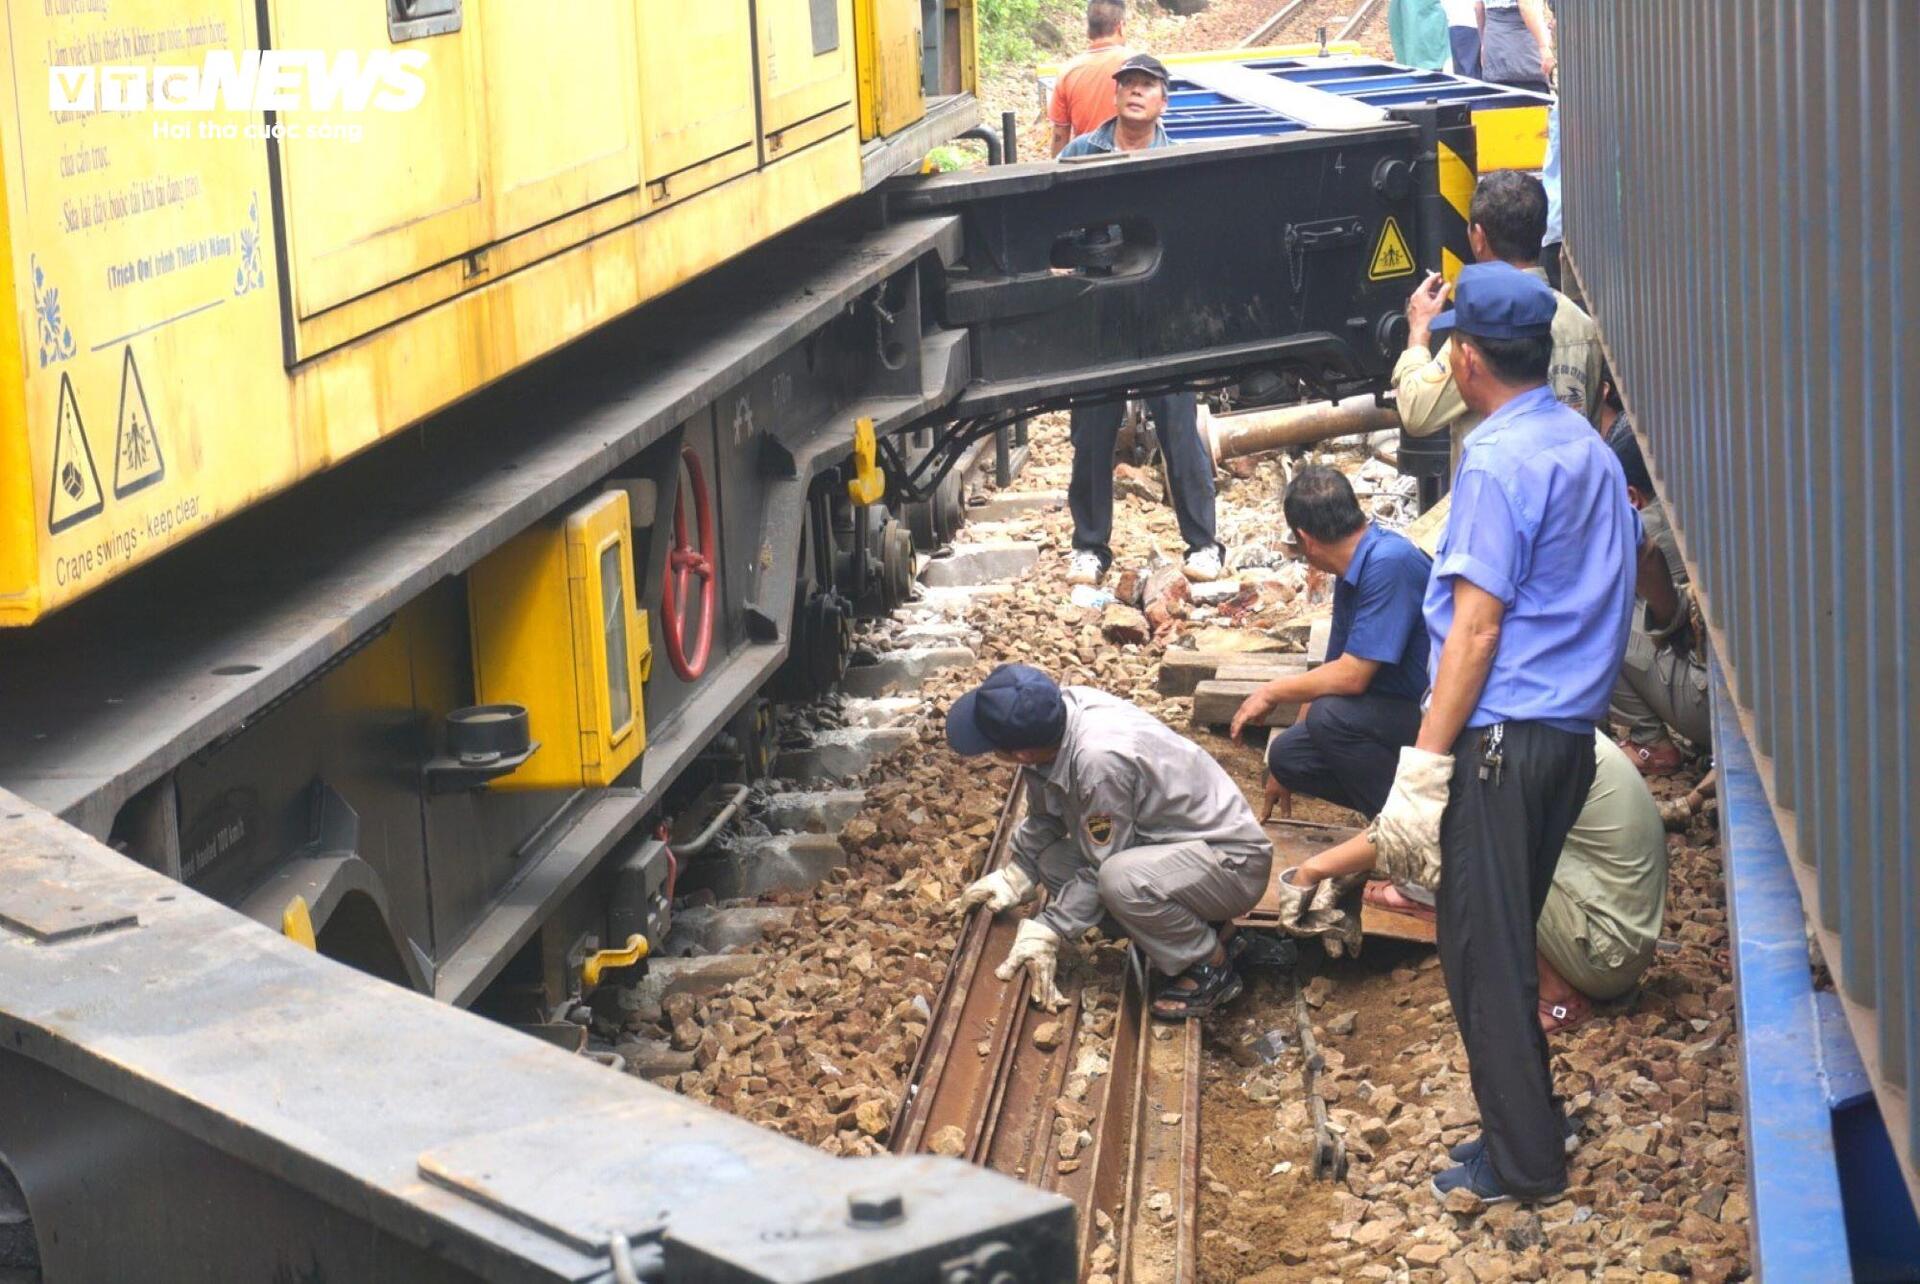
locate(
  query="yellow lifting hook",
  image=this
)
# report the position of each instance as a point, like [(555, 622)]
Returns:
[(868, 483), (296, 923), (635, 949)]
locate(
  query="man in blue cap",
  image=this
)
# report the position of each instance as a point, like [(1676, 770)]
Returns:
[(1527, 610), (1124, 817), (1140, 96)]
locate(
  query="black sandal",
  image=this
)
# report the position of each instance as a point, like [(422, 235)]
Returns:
[(1212, 987)]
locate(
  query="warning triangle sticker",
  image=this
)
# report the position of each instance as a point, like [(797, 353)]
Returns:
[(137, 461), (76, 483), (1390, 255)]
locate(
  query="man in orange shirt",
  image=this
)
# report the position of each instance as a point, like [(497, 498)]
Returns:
[(1083, 96)]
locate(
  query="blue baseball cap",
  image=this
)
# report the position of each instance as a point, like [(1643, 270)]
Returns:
[(1017, 707), (1499, 301)]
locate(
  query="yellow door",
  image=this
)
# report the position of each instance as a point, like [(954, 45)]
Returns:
[(696, 91), (889, 50), (560, 106), (806, 63), (410, 192)]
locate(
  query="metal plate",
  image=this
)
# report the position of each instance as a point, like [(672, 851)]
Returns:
[(558, 1175), (51, 911)]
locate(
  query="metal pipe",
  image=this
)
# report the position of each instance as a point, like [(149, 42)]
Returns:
[(1010, 136), (982, 134), (1250, 434), (1003, 458)]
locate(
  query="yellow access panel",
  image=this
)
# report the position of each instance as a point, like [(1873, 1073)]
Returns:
[(559, 100), (806, 70), (412, 192), (696, 105), (889, 51), (555, 629)]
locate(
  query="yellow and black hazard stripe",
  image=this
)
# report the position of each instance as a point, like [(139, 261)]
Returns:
[(1454, 177)]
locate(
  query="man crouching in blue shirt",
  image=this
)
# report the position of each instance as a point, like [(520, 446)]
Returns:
[(1362, 707), (1528, 612)]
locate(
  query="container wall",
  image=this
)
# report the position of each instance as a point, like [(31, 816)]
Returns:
[(1740, 184)]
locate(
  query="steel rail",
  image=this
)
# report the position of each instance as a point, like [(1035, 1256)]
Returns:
[(979, 1070), (1267, 30), (1358, 20)]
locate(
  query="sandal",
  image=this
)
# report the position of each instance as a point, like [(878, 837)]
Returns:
[(1212, 987), (1385, 896), (1557, 1018)]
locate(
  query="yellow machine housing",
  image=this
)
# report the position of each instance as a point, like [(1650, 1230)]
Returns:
[(555, 628), (205, 306)]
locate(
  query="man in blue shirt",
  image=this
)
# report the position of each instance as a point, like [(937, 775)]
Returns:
[(1363, 705), (1140, 96), (1528, 611)]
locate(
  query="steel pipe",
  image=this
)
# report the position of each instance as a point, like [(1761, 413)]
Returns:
[(1231, 436)]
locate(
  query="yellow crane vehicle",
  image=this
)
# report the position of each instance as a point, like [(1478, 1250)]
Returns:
[(432, 432)]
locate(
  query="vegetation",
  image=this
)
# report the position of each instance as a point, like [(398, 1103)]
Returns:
[(1006, 32)]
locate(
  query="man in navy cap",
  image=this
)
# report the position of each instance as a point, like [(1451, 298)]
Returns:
[(1527, 610), (1124, 817), (1140, 96)]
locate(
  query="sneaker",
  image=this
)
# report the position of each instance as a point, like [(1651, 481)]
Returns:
[(1084, 568), (1476, 1177), (1468, 1151), (1661, 758), (1204, 566)]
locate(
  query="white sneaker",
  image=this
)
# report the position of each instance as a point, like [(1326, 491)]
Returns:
[(1084, 568), (1204, 566)]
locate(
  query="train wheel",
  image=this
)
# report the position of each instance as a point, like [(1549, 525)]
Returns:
[(690, 561)]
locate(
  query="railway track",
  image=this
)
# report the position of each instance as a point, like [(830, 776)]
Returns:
[(1278, 28), (1097, 1102)]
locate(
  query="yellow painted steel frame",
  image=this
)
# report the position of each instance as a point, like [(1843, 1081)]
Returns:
[(203, 314), (1510, 138), (555, 629)]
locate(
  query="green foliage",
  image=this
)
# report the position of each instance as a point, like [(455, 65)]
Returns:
[(947, 158), (1004, 27)]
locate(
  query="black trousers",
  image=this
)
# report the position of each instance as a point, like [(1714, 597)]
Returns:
[(1346, 750), (1095, 429), (1499, 842)]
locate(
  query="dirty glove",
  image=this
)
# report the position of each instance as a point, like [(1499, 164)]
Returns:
[(1002, 889), (1037, 948), (1330, 909), (1334, 915), (1406, 833)]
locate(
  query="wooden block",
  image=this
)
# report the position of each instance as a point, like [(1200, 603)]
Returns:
[(1215, 702), (1182, 671)]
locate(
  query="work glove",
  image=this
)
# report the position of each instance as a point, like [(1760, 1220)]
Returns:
[(1406, 833), (1002, 889), (1330, 910), (1036, 947)]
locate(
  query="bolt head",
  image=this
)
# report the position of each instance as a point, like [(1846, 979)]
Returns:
[(870, 1211)]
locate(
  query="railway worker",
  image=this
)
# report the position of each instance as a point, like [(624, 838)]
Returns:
[(1663, 680), (1361, 707), (1527, 610), (1418, 32), (1140, 97), (1596, 933), (1516, 44), (1463, 36), (1506, 219), (1125, 817), (1083, 96)]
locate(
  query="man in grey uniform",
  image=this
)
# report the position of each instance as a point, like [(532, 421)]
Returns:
[(1124, 817)]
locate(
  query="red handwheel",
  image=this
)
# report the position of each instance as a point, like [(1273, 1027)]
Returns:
[(687, 562)]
